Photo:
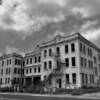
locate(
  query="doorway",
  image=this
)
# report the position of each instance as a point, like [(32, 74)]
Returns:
[(59, 82), (37, 80)]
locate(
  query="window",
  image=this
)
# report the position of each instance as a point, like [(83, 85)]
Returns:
[(66, 48), (39, 59), (23, 63), (27, 61), (9, 70), (15, 71), (89, 64), (27, 71), (91, 53), (22, 71), (67, 79), (88, 51), (86, 78), (10, 61), (50, 82), (2, 63), (34, 70), (95, 60), (18, 70), (85, 63), (39, 69), (84, 49), (1, 71), (45, 65), (30, 70), (73, 47), (18, 80), (6, 71), (58, 51), (30, 60), (50, 64), (96, 71), (82, 61), (73, 61), (74, 78), (82, 78), (8, 80), (67, 62), (5, 80), (80, 47), (7, 62), (15, 61), (19, 62), (35, 59), (45, 53), (50, 52), (91, 78), (14, 81)]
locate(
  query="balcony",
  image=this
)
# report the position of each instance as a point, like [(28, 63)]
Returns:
[(59, 70)]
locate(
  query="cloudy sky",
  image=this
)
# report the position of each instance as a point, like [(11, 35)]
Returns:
[(25, 23)]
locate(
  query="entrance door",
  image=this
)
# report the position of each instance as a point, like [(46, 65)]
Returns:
[(59, 82), (37, 80), (28, 81)]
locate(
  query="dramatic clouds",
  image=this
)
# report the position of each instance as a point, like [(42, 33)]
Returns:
[(26, 21), (58, 2), (10, 49)]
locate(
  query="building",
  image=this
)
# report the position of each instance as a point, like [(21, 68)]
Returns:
[(10, 70), (32, 67), (64, 62)]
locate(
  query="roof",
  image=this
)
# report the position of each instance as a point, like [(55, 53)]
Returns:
[(60, 39), (3, 56), (36, 51)]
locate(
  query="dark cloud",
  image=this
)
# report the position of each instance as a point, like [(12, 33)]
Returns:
[(72, 22)]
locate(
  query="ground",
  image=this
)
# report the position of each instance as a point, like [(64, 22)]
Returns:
[(17, 96)]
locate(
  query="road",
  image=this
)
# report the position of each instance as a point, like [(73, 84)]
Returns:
[(26, 97)]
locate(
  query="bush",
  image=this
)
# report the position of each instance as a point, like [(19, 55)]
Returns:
[(62, 91), (5, 89), (11, 89), (35, 89), (77, 93)]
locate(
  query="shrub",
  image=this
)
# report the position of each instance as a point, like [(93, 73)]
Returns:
[(11, 89), (5, 89), (77, 92), (62, 91)]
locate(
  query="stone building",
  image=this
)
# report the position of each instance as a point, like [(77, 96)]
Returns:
[(63, 62), (10, 70), (66, 62)]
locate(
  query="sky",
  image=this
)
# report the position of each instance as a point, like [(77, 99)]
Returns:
[(26, 23)]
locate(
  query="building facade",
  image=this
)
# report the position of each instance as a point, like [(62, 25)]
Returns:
[(10, 70), (64, 62)]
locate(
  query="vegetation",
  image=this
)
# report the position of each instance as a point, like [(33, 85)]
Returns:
[(7, 89), (41, 90)]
